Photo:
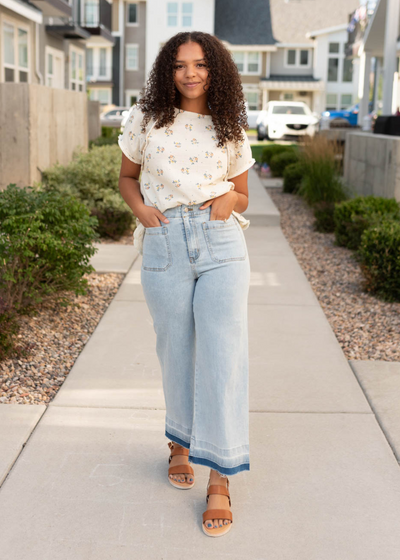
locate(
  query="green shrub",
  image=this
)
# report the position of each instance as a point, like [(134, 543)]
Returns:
[(272, 150), (93, 178), (279, 162), (109, 136), (45, 245), (323, 214), (292, 177), (354, 216), (379, 254), (8, 329), (321, 172)]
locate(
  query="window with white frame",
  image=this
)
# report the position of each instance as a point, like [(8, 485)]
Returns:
[(76, 69), (297, 58), (346, 100), (131, 97), (132, 16), (347, 74), (99, 94), (91, 12), (89, 63), (15, 52), (187, 13), (172, 14), (288, 96), (54, 67), (331, 101), (132, 57), (98, 63), (102, 62), (247, 62), (252, 98)]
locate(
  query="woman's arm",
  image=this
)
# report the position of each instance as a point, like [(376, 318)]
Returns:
[(129, 187), (237, 199)]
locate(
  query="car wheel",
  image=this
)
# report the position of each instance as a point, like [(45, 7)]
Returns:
[(266, 134)]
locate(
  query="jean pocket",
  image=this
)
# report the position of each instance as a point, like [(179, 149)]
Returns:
[(157, 255), (225, 241)]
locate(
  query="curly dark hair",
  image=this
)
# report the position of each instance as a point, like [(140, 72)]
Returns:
[(226, 101)]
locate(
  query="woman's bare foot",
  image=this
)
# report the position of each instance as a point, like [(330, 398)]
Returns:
[(180, 460), (217, 501)]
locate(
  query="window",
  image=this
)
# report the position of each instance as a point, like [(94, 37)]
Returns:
[(288, 97), (132, 13), (76, 72), (252, 100), (347, 70), (303, 58), (238, 57), (91, 8), (253, 62), (15, 53), (297, 58), (333, 65), (288, 110), (50, 71), (132, 57), (102, 95), (103, 58), (333, 47), (346, 100), (172, 14), (331, 101), (187, 12), (291, 57), (89, 63), (247, 62)]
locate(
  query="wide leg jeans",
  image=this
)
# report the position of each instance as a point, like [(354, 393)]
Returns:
[(195, 276)]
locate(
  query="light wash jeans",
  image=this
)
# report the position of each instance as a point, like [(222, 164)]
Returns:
[(195, 276)]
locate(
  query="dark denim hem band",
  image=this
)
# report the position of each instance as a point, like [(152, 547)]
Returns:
[(177, 440), (208, 462)]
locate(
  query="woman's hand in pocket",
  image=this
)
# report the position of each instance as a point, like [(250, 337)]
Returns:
[(222, 206), (150, 216)]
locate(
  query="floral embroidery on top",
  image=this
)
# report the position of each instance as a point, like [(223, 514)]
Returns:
[(209, 127), (132, 135), (177, 144), (168, 132), (176, 183), (193, 160), (209, 154), (219, 164), (171, 159), (160, 172), (188, 126), (159, 187), (194, 141), (169, 197), (238, 155), (185, 170), (160, 149), (207, 176)]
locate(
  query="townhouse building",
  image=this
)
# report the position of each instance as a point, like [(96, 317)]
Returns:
[(285, 50)]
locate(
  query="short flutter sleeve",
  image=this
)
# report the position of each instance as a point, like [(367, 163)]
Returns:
[(240, 156), (130, 141)]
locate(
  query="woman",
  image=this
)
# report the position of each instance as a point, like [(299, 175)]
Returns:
[(186, 136)]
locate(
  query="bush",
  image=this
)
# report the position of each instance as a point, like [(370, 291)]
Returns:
[(93, 178), (292, 177), (379, 254), (8, 329), (279, 162), (354, 216), (273, 149), (109, 136), (321, 171), (45, 245), (323, 214)]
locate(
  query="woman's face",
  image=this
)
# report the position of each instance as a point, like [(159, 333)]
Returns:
[(190, 71)]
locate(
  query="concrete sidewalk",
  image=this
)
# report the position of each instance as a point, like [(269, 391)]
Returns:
[(91, 481)]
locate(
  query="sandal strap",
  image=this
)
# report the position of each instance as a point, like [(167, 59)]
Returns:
[(218, 489), (217, 514), (177, 450), (181, 469)]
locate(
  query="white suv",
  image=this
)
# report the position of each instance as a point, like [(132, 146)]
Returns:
[(286, 118)]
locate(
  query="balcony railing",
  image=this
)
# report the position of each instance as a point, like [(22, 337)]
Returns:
[(98, 73)]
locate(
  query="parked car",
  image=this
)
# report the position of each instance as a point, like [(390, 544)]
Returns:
[(286, 118), (113, 117), (350, 114)]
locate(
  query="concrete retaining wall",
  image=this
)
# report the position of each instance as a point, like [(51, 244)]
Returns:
[(39, 126), (94, 119), (372, 164)]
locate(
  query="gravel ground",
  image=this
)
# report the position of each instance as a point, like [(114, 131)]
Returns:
[(56, 336), (124, 240), (366, 327)]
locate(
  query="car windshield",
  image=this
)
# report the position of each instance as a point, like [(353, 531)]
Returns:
[(288, 110)]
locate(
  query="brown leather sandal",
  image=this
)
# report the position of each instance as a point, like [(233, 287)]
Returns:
[(218, 513), (179, 469)]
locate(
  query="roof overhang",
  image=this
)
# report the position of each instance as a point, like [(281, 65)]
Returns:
[(54, 8), (292, 85), (258, 48), (327, 30), (374, 36), (23, 10)]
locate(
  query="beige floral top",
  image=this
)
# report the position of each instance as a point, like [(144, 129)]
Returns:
[(182, 164)]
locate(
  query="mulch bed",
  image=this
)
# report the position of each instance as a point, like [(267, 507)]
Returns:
[(366, 327), (56, 336)]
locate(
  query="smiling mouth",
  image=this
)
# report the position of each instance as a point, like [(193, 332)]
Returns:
[(192, 85)]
